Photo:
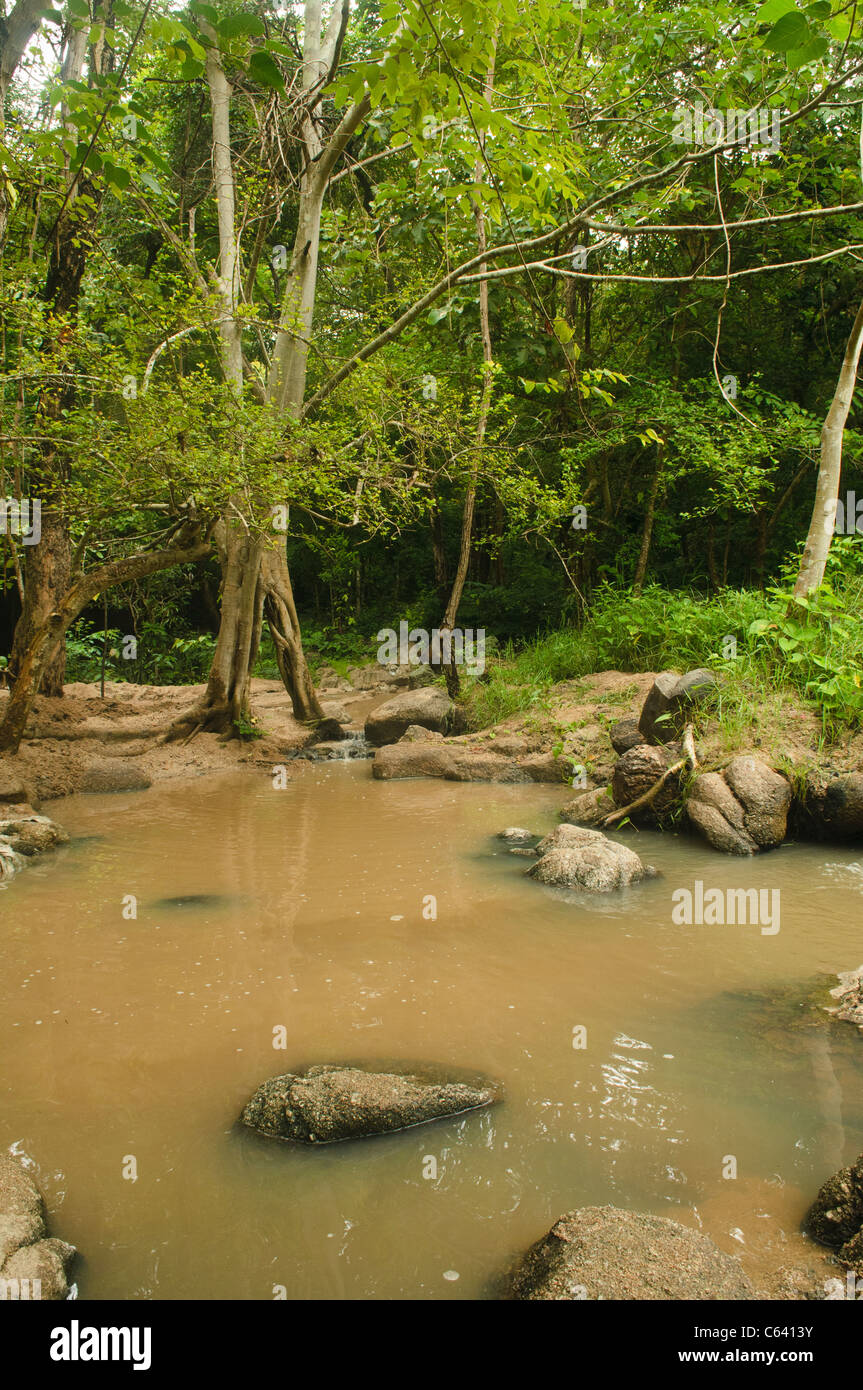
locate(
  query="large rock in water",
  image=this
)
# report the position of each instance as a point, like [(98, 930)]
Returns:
[(26, 1252), (29, 833), (329, 1103), (575, 857), (830, 807), (743, 810), (429, 707), (836, 1216), (670, 701), (606, 1253)]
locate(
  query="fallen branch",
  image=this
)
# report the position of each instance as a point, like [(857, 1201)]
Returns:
[(689, 759)]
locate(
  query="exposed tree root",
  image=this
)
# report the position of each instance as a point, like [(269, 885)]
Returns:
[(689, 759)]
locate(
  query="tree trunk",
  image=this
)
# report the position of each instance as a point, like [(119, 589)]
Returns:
[(15, 34), (256, 579), (647, 532), (48, 568), (48, 637), (48, 564), (817, 548), (453, 683)]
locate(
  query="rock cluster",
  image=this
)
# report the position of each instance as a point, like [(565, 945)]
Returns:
[(24, 833), (27, 1253)]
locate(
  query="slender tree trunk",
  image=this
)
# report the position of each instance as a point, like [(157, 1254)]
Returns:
[(647, 532), (257, 581), (453, 682), (817, 548), (16, 31)]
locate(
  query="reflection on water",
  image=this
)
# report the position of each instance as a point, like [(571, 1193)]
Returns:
[(636, 1055)]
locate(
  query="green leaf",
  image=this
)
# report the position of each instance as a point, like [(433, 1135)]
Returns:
[(263, 69), (117, 177), (791, 31), (235, 25), (810, 53), (772, 10)]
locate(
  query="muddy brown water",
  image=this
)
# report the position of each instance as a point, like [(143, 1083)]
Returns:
[(130, 1045)]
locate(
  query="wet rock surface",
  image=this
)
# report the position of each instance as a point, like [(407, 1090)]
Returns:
[(849, 996), (26, 1250), (326, 1104), (836, 1216), (24, 834), (577, 857), (607, 1253)]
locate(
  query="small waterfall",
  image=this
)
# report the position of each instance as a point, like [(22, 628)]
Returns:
[(354, 745)]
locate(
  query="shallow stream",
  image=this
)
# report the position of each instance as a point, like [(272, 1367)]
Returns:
[(130, 1044)]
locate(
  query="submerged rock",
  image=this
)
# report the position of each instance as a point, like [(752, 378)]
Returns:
[(849, 993), (516, 835), (607, 1253), (575, 857), (329, 1103), (26, 1251), (190, 900), (836, 1216)]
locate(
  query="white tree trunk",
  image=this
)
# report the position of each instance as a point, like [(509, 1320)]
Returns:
[(821, 527)]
